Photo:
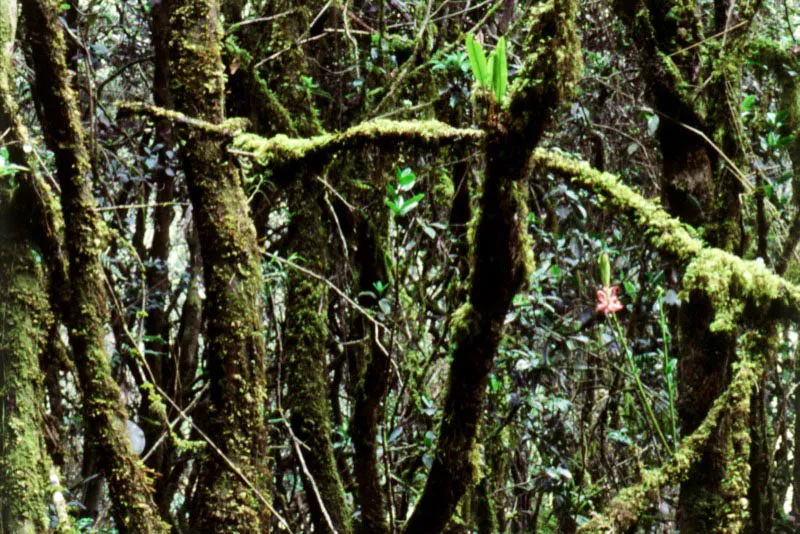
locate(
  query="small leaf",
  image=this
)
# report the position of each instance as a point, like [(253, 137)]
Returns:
[(671, 298), (394, 207), (749, 103), (395, 434), (429, 231), (411, 203), (490, 71), (427, 460), (652, 125), (429, 439), (406, 178)]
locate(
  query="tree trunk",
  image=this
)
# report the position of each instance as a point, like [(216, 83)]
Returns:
[(501, 252), (306, 340), (227, 499), (24, 321), (104, 412)]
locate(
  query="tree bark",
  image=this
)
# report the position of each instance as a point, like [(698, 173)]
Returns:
[(24, 319), (225, 500), (501, 251), (104, 412), (306, 340), (370, 373)]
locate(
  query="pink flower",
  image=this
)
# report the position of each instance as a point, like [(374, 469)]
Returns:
[(607, 300)]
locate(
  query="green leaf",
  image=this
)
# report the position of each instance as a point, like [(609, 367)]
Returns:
[(749, 103), (395, 208), (406, 178), (490, 69), (411, 203), (395, 434), (652, 125), (500, 70), (477, 59)]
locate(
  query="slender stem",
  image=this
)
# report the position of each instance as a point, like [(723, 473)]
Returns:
[(669, 372), (639, 385)]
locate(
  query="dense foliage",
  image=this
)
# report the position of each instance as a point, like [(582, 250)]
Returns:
[(412, 266)]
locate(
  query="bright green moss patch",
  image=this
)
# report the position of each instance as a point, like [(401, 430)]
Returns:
[(731, 282), (281, 149)]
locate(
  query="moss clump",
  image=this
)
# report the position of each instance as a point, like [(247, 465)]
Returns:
[(731, 283)]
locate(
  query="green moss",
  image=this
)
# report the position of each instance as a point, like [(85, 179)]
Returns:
[(444, 189), (463, 323), (281, 149), (730, 283), (25, 318), (8, 27)]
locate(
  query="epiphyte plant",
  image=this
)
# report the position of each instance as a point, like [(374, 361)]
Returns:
[(491, 74)]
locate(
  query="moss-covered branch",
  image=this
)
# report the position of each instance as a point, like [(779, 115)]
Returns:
[(281, 150), (731, 283), (626, 508), (227, 128)]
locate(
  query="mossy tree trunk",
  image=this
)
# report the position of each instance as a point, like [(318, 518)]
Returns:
[(501, 251), (24, 316), (104, 412), (703, 191), (24, 322), (226, 500), (306, 344)]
